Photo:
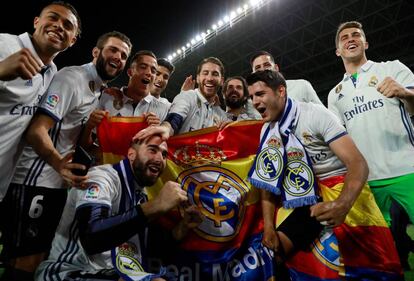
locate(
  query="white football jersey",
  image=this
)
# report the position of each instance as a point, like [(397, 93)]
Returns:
[(18, 102), (380, 126), (70, 99)]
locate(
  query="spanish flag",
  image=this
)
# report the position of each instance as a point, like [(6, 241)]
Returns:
[(115, 136), (362, 248), (212, 166)]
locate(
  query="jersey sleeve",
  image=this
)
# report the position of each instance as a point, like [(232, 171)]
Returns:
[(332, 106), (327, 124), (311, 95), (183, 103), (60, 97), (402, 74), (101, 190)]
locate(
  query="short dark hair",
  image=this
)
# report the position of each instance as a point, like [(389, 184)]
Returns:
[(271, 78), (141, 53), (211, 60), (104, 37), (348, 24), (167, 64), (261, 53), (241, 79), (72, 9)]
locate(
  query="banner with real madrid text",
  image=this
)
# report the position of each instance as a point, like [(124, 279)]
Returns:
[(212, 166)]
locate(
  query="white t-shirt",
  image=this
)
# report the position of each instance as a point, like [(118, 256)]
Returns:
[(18, 102), (196, 112), (302, 90), (126, 107), (70, 99), (380, 126), (67, 254)]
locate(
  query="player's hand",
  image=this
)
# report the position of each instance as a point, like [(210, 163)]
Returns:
[(221, 125), (96, 118), (21, 64), (153, 130), (152, 119), (270, 239), (391, 88), (189, 83), (331, 213), (65, 170), (170, 196), (192, 216)]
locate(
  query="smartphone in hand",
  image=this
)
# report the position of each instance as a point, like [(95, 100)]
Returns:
[(81, 157)]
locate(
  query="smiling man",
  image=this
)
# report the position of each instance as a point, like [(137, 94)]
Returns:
[(132, 100), (236, 98), (164, 71), (374, 101), (26, 70), (38, 190), (194, 109), (111, 219)]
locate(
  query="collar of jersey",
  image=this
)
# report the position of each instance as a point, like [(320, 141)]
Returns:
[(148, 98), (364, 68), (27, 43), (93, 76), (201, 97)]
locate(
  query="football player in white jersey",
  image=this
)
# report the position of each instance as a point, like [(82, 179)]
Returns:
[(132, 100), (26, 70), (236, 99), (113, 214), (331, 152), (303, 127), (164, 71), (374, 101), (194, 109), (300, 89), (38, 192)]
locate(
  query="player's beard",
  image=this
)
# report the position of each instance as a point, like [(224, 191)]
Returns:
[(101, 69), (234, 104), (140, 171)]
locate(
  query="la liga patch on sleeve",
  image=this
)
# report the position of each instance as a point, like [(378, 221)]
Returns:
[(92, 192), (52, 100)]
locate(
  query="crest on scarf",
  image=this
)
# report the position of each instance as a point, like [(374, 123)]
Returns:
[(219, 193), (299, 178), (266, 160)]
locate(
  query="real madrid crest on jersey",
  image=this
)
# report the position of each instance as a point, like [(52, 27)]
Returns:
[(373, 81), (118, 103), (338, 89), (92, 86)]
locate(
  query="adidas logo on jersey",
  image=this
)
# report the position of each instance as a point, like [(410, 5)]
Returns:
[(29, 83)]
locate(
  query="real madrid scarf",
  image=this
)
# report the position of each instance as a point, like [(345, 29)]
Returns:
[(129, 258), (282, 165)]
